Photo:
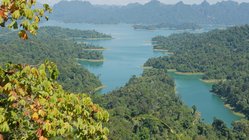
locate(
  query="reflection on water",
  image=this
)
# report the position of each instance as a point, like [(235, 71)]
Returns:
[(91, 64)]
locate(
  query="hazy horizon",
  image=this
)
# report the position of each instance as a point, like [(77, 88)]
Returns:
[(125, 2)]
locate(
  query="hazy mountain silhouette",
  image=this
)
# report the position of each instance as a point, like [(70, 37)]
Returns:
[(153, 12)]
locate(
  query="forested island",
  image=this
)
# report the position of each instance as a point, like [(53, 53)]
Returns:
[(62, 48), (183, 26), (90, 47), (222, 55), (74, 34), (91, 55)]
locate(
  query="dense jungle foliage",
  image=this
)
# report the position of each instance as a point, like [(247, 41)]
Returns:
[(52, 43), (148, 108), (222, 55)]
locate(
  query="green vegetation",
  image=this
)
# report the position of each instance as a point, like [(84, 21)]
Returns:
[(221, 54), (74, 34), (90, 47), (235, 93), (52, 43), (91, 55), (183, 26), (34, 106), (148, 108)]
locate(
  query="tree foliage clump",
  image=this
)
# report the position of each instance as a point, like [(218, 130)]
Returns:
[(34, 105), (22, 14)]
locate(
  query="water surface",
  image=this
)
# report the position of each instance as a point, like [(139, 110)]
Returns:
[(194, 92)]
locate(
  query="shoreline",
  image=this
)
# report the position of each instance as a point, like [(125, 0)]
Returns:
[(212, 81), (146, 68), (160, 50), (91, 60), (184, 73), (99, 88), (189, 73), (170, 53), (228, 106), (234, 112), (165, 51), (171, 70), (98, 38), (102, 49)]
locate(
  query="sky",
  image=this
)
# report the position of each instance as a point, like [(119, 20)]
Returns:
[(124, 2)]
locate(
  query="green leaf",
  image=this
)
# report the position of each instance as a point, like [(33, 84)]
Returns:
[(4, 127), (22, 102), (25, 24), (14, 115), (46, 7), (1, 20), (28, 13), (46, 17), (12, 98), (37, 19), (41, 12), (106, 131), (7, 87), (16, 14), (6, 2), (92, 130)]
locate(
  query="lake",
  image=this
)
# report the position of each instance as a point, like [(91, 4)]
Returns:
[(125, 55)]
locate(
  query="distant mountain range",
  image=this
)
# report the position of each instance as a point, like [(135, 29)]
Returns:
[(153, 12)]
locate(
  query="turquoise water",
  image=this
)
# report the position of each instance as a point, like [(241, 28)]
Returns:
[(194, 92), (129, 50)]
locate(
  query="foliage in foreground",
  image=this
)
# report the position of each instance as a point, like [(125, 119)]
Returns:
[(22, 14), (34, 105)]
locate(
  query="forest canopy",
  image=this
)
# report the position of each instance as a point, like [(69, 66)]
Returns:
[(148, 108), (61, 47)]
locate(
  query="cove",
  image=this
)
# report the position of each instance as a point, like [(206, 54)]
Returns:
[(195, 92), (125, 55)]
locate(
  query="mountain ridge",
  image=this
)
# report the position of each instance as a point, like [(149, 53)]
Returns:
[(153, 12)]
